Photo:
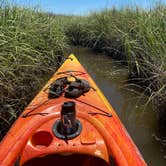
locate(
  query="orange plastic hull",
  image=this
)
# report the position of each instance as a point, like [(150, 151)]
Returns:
[(101, 136)]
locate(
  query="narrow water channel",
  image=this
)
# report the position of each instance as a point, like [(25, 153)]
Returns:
[(140, 122)]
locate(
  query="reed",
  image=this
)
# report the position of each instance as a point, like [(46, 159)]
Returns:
[(30, 42), (135, 36)]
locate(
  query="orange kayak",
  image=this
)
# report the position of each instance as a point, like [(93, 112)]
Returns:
[(69, 122)]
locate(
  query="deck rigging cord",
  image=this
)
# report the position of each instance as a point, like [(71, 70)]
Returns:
[(104, 113), (70, 85), (71, 89)]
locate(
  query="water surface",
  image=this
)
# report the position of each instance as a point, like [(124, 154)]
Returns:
[(140, 121)]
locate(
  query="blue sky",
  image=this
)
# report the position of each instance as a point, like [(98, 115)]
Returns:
[(81, 7)]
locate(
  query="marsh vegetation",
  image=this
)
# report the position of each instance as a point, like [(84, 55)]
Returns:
[(137, 38), (31, 42)]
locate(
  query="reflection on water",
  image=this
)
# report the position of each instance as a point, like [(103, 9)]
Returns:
[(140, 122)]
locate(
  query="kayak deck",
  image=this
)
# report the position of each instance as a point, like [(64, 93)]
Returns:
[(101, 138)]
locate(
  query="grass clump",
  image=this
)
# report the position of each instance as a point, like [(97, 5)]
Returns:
[(30, 42), (134, 36)]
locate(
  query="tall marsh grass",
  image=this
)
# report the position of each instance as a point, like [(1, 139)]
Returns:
[(135, 36), (30, 42)]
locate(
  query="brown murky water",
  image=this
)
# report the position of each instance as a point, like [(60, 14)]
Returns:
[(140, 122)]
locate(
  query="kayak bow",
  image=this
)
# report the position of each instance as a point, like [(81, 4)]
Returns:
[(69, 122)]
